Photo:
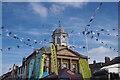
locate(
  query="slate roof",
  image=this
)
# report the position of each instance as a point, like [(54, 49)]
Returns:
[(116, 60)]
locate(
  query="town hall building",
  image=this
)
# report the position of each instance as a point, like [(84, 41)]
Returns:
[(66, 57)]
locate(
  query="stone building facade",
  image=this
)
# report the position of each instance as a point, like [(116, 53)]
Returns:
[(66, 57)]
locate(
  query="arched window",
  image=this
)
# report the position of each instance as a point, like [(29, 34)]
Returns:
[(74, 66)]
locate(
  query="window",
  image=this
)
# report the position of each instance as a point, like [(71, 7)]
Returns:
[(63, 36), (74, 66), (58, 40), (65, 65), (47, 70), (59, 64)]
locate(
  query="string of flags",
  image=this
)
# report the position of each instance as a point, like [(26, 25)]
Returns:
[(96, 32), (102, 32), (72, 46), (97, 40), (103, 43), (93, 16), (86, 32), (25, 41), (12, 47)]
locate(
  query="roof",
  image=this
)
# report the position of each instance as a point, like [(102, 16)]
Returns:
[(8, 74), (116, 60), (47, 50), (43, 49), (100, 72), (59, 30), (96, 65)]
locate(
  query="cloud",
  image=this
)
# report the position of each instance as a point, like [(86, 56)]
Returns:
[(99, 51), (74, 4), (39, 9), (36, 33), (56, 9), (61, 6)]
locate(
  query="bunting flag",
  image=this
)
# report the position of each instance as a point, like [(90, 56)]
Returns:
[(30, 69), (72, 31), (84, 69), (102, 29), (54, 58)]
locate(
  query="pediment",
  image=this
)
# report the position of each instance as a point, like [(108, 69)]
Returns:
[(66, 52)]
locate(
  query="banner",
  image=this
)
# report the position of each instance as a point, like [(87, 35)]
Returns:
[(31, 67), (54, 58), (84, 68), (41, 65), (37, 68)]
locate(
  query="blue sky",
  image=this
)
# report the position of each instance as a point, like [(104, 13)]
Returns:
[(38, 20)]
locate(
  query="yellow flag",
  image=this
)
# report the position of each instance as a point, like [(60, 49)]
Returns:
[(84, 68), (54, 58), (42, 65)]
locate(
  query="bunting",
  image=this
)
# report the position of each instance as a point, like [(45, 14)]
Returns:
[(93, 16), (25, 41)]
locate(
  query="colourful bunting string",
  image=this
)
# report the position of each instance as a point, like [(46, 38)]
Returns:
[(86, 32), (14, 36)]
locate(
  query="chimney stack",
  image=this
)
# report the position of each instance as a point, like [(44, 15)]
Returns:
[(94, 62), (107, 60)]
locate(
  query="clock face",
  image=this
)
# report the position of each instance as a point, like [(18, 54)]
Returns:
[(64, 39)]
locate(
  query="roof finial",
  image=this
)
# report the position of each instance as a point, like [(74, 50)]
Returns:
[(59, 23)]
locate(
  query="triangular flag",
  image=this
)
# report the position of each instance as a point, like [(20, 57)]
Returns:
[(88, 25), (2, 27), (83, 32), (18, 46), (96, 39), (8, 48), (91, 37), (83, 46), (28, 39), (98, 34)]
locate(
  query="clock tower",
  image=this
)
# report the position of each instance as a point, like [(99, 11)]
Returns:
[(60, 37)]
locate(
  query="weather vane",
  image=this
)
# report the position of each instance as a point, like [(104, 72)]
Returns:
[(59, 23)]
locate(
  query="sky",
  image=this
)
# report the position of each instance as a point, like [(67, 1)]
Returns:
[(37, 21)]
